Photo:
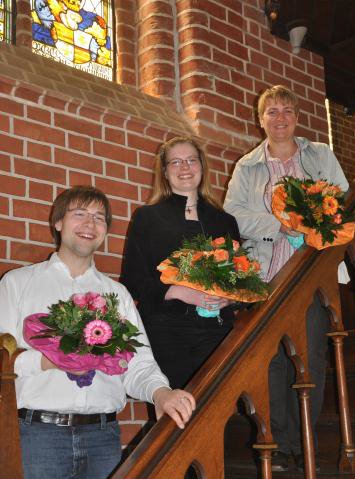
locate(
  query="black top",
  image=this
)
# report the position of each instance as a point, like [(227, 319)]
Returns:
[(154, 233)]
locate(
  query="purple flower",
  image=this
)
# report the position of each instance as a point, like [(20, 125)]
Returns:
[(97, 332)]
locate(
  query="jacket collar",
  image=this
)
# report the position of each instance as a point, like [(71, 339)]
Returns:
[(257, 155)]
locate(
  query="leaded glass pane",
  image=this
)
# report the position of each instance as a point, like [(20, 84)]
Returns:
[(5, 21), (77, 33)]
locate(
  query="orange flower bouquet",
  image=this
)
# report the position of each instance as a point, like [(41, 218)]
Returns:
[(314, 208), (218, 267)]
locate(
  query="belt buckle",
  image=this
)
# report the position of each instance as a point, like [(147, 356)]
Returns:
[(68, 423)]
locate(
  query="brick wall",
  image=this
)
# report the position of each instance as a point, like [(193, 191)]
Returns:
[(187, 67)]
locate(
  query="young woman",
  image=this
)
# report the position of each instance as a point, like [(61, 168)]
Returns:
[(182, 206)]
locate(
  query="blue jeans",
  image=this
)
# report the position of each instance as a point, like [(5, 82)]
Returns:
[(92, 451)]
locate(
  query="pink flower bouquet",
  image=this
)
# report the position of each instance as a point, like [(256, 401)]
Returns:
[(85, 333)]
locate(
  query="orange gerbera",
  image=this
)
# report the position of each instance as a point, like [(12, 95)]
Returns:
[(330, 205), (241, 263), (235, 245), (317, 187), (220, 254), (255, 265)]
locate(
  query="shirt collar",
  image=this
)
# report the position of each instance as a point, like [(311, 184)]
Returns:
[(55, 262)]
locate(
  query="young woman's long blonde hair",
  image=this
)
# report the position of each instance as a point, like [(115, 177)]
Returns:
[(161, 186)]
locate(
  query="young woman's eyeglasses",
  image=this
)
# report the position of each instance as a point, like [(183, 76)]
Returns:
[(84, 215), (192, 162)]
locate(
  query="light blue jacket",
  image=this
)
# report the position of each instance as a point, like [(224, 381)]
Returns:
[(245, 195)]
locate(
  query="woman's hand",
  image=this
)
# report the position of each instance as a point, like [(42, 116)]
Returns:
[(289, 231), (198, 298), (176, 403)]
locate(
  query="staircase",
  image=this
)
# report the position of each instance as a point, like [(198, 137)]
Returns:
[(241, 433)]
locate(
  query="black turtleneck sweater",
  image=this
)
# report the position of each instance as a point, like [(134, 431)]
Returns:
[(154, 233)]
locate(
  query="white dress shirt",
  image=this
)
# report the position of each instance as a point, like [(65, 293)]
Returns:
[(32, 289)]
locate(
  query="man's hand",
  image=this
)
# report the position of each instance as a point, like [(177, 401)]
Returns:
[(177, 404)]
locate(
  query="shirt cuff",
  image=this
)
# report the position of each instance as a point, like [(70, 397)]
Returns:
[(28, 363), (153, 386)]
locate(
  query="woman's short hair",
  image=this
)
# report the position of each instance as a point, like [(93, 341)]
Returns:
[(81, 196), (277, 93), (162, 188)]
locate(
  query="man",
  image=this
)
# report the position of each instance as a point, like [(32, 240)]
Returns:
[(67, 431)]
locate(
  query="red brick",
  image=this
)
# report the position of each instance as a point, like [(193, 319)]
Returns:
[(81, 143), (31, 210), (6, 87), (193, 50), (114, 120), (11, 145), (116, 245), (119, 227), (40, 191), (4, 123), (108, 264), (117, 188), (138, 175), (54, 102), (125, 414), (140, 411), (115, 136), (39, 170), (27, 252), (146, 194), (11, 107), (38, 114), (2, 248), (28, 93), (39, 151), (146, 160), (227, 60), (78, 125), (77, 178), (119, 208), (142, 143), (229, 30), (5, 164), (39, 132), (91, 113), (115, 169), (12, 186), (40, 233), (12, 228), (4, 205), (81, 162), (129, 432), (114, 152), (212, 8)]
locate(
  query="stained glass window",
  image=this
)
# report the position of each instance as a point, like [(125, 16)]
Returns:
[(5, 21), (77, 33)]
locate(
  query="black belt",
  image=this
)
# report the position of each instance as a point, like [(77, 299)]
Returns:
[(52, 417)]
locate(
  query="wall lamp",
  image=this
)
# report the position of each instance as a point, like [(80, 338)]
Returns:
[(297, 35)]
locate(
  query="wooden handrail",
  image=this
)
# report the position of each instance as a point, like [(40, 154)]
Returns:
[(239, 368), (10, 452)]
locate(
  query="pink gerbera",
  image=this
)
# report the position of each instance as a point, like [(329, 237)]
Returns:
[(97, 332)]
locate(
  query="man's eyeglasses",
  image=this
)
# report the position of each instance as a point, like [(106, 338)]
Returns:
[(178, 162), (85, 215)]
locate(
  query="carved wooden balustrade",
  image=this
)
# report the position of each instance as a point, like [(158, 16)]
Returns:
[(238, 369)]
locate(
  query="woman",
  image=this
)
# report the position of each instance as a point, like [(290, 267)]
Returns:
[(249, 199), (182, 206)]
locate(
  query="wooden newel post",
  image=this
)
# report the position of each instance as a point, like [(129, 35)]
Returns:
[(347, 451), (307, 432)]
